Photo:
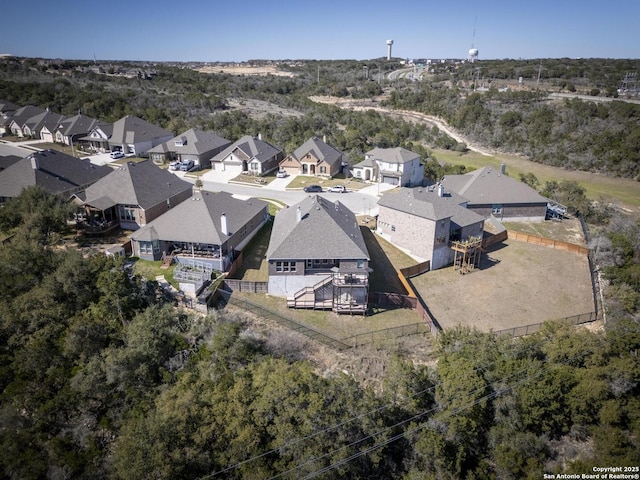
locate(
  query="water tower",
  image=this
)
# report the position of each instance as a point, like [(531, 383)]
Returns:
[(473, 55), (389, 44)]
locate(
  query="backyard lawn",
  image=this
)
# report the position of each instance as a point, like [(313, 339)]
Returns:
[(385, 258)]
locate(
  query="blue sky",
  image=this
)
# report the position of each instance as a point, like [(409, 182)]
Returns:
[(223, 30)]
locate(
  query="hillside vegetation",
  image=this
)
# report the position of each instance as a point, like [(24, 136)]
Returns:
[(101, 377)]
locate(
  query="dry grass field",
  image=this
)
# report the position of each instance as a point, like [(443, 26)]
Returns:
[(517, 284)]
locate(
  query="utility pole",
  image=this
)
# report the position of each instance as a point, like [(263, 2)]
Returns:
[(539, 72)]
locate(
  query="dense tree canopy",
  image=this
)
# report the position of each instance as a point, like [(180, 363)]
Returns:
[(100, 380)]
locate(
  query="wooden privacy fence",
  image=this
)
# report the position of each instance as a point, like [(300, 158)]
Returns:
[(414, 270), (547, 242), (245, 286)]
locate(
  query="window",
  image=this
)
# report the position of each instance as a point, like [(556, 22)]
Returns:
[(440, 240), (145, 247), (254, 166), (496, 209), (360, 264), (393, 228), (285, 266), (323, 169), (127, 213)]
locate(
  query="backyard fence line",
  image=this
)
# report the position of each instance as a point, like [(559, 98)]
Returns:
[(547, 242), (353, 341), (247, 286), (415, 270), (289, 323), (535, 327), (361, 339)]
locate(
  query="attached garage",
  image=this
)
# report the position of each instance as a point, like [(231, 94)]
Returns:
[(390, 180)]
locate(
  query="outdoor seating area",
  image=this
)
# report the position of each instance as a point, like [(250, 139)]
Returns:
[(199, 250)]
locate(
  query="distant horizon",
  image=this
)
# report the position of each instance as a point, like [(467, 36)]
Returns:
[(9, 55), (204, 31)]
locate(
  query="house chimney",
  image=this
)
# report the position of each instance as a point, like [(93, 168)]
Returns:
[(440, 190), (503, 168), (223, 224), (298, 214)]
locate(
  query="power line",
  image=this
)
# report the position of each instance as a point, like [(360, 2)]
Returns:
[(352, 419), (398, 424), (420, 427)]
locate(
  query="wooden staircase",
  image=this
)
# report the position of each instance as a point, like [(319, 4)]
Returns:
[(167, 260), (306, 297)]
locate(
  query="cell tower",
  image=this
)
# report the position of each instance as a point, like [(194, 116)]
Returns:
[(389, 44), (473, 52)]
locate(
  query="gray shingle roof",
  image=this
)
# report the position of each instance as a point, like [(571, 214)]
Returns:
[(131, 129), (426, 203), (321, 150), (487, 186), (198, 220), (7, 106), (141, 183), (54, 171), (325, 230), (392, 155), (198, 142), (46, 119), (77, 125), (23, 114), (252, 147)]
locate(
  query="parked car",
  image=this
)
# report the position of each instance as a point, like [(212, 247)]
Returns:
[(116, 154), (312, 188), (338, 189), (282, 174), (175, 165), (186, 166)]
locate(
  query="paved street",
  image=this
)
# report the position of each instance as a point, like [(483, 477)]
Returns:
[(361, 202)]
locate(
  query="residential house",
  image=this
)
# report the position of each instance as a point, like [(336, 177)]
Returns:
[(70, 130), (425, 220), (317, 257), (8, 160), (313, 157), (42, 126), (248, 155), (20, 116), (135, 136), (7, 109), (491, 192), (193, 144), (54, 171), (98, 138), (395, 166), (204, 232), (131, 196)]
